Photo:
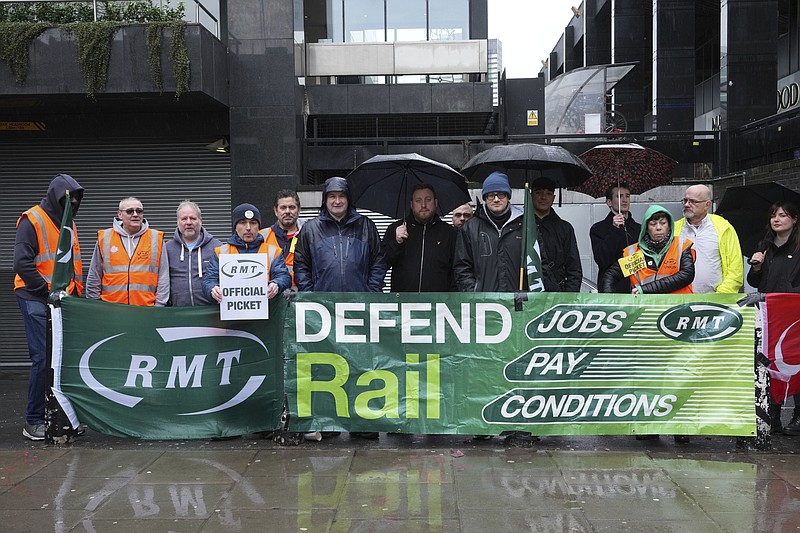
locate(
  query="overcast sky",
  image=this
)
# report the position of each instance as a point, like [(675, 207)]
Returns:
[(528, 29)]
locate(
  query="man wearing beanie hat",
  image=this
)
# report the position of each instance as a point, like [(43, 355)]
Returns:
[(561, 262), (340, 250), (488, 247), (488, 255), (246, 239)]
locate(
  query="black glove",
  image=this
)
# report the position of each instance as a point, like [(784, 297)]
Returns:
[(290, 294), (752, 299)]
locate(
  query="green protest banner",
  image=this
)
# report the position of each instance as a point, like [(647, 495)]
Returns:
[(566, 364), (167, 373)]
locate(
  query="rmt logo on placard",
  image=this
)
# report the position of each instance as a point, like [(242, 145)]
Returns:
[(699, 322), (242, 269)]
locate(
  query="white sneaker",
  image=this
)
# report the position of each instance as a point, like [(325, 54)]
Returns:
[(33, 431)]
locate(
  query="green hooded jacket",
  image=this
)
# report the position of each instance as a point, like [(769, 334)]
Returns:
[(652, 210)]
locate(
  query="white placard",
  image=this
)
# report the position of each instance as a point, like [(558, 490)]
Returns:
[(243, 282)]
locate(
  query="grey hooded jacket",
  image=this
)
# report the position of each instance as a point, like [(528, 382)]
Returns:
[(187, 268)]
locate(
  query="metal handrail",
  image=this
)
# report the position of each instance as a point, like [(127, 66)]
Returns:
[(198, 7)]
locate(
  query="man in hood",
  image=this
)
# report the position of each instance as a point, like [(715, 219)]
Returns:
[(246, 239), (188, 253), (340, 250), (34, 261), (128, 265)]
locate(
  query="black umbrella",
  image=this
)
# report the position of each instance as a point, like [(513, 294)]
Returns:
[(747, 209), (384, 183), (523, 163)]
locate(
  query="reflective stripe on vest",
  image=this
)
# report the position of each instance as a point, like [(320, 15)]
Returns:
[(648, 275), (130, 280), (271, 238), (47, 246)]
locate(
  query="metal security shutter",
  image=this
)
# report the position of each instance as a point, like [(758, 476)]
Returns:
[(161, 173)]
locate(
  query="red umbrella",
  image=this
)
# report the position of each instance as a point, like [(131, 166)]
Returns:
[(639, 167)]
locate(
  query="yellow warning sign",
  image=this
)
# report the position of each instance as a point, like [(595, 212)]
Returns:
[(533, 117), (632, 264), (22, 126)]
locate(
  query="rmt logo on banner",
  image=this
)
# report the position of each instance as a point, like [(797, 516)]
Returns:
[(243, 282)]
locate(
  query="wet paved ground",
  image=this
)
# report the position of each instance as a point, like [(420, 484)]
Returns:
[(396, 484)]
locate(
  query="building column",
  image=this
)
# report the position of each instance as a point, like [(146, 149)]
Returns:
[(265, 132), (749, 69), (633, 36), (673, 65)]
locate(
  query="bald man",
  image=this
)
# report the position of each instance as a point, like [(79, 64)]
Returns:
[(719, 267)]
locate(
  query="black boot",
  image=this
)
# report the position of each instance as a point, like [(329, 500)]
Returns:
[(775, 426), (793, 427)]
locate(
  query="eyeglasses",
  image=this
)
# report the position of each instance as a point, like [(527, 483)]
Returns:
[(132, 210), (692, 202), (498, 195)]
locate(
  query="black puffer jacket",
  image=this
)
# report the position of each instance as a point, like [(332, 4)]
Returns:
[(488, 259), (424, 262), (561, 262), (663, 285)]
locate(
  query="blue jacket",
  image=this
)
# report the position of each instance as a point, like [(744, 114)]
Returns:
[(277, 269), (344, 256)]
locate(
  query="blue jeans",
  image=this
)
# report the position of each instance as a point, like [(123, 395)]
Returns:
[(34, 316)]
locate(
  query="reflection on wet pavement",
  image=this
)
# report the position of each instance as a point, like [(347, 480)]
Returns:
[(405, 490)]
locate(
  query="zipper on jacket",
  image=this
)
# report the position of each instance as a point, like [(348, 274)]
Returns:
[(422, 257)]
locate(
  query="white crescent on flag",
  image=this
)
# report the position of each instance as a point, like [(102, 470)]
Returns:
[(780, 364), (65, 256)]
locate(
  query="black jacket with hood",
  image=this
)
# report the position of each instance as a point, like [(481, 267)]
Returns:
[(26, 244), (424, 261)]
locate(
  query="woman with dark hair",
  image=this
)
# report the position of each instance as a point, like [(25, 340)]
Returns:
[(777, 269)]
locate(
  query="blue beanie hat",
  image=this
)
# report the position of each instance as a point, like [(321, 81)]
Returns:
[(245, 212), (495, 182)]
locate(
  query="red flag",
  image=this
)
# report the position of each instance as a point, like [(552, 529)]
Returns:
[(781, 343)]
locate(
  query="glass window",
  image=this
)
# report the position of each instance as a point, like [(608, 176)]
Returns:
[(336, 20), (364, 21), (449, 20), (406, 20)]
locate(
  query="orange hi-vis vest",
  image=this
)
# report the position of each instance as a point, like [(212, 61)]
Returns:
[(47, 235), (670, 264), (272, 239), (130, 280), (271, 250)]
